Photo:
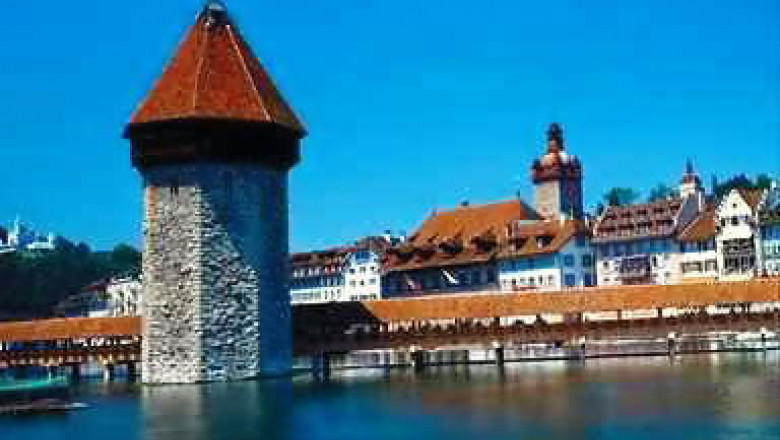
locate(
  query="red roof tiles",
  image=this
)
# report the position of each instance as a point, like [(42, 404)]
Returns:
[(542, 237), (215, 75), (702, 228), (465, 235), (468, 222), (751, 196), (656, 219)]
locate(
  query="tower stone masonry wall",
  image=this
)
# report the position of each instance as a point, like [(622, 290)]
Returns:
[(215, 275), (547, 198)]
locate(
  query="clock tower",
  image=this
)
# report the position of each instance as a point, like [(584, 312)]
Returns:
[(557, 178)]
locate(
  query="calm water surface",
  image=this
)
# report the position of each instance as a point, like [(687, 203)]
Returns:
[(723, 396)]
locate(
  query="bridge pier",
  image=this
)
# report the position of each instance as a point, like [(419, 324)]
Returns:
[(132, 371), (320, 366), (671, 344), (498, 351), (418, 359), (75, 372), (582, 352), (109, 372)]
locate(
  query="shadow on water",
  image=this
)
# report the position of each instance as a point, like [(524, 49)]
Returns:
[(239, 410)]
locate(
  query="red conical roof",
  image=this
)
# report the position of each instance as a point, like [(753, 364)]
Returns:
[(215, 75)]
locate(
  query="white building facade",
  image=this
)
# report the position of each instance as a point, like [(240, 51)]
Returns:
[(350, 273), (698, 252), (738, 237), (550, 255)]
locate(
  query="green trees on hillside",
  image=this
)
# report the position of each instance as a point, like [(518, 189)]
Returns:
[(762, 181), (31, 283)]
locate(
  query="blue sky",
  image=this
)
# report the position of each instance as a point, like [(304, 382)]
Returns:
[(410, 105)]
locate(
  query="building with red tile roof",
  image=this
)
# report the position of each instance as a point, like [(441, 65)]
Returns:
[(462, 248), (699, 257), (637, 244)]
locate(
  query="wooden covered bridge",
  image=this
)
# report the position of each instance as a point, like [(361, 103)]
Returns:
[(436, 321)]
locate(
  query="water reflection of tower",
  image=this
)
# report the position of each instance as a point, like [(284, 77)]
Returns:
[(233, 410)]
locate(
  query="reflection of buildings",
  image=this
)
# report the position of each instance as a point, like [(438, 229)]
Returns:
[(21, 237)]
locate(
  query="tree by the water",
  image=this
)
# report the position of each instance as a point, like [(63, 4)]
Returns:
[(34, 282)]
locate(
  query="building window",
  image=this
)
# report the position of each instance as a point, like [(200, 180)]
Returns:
[(568, 260), (587, 261), (587, 280), (581, 241), (569, 280)]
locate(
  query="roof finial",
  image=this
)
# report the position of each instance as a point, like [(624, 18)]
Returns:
[(554, 138), (214, 11), (689, 166)]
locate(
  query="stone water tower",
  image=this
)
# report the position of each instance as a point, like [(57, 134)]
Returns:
[(213, 141)]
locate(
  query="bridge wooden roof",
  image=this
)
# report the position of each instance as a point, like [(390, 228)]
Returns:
[(66, 328), (587, 300)]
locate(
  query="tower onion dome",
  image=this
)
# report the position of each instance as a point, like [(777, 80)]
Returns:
[(215, 99), (690, 175), (555, 164)]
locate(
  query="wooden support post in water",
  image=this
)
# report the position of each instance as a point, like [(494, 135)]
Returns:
[(763, 338), (75, 372), (320, 365), (108, 372), (418, 359), (498, 351), (132, 372), (582, 352), (671, 344)]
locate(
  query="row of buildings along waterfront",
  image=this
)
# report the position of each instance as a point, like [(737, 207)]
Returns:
[(552, 244)]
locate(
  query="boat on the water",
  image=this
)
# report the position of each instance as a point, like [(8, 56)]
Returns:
[(36, 396)]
